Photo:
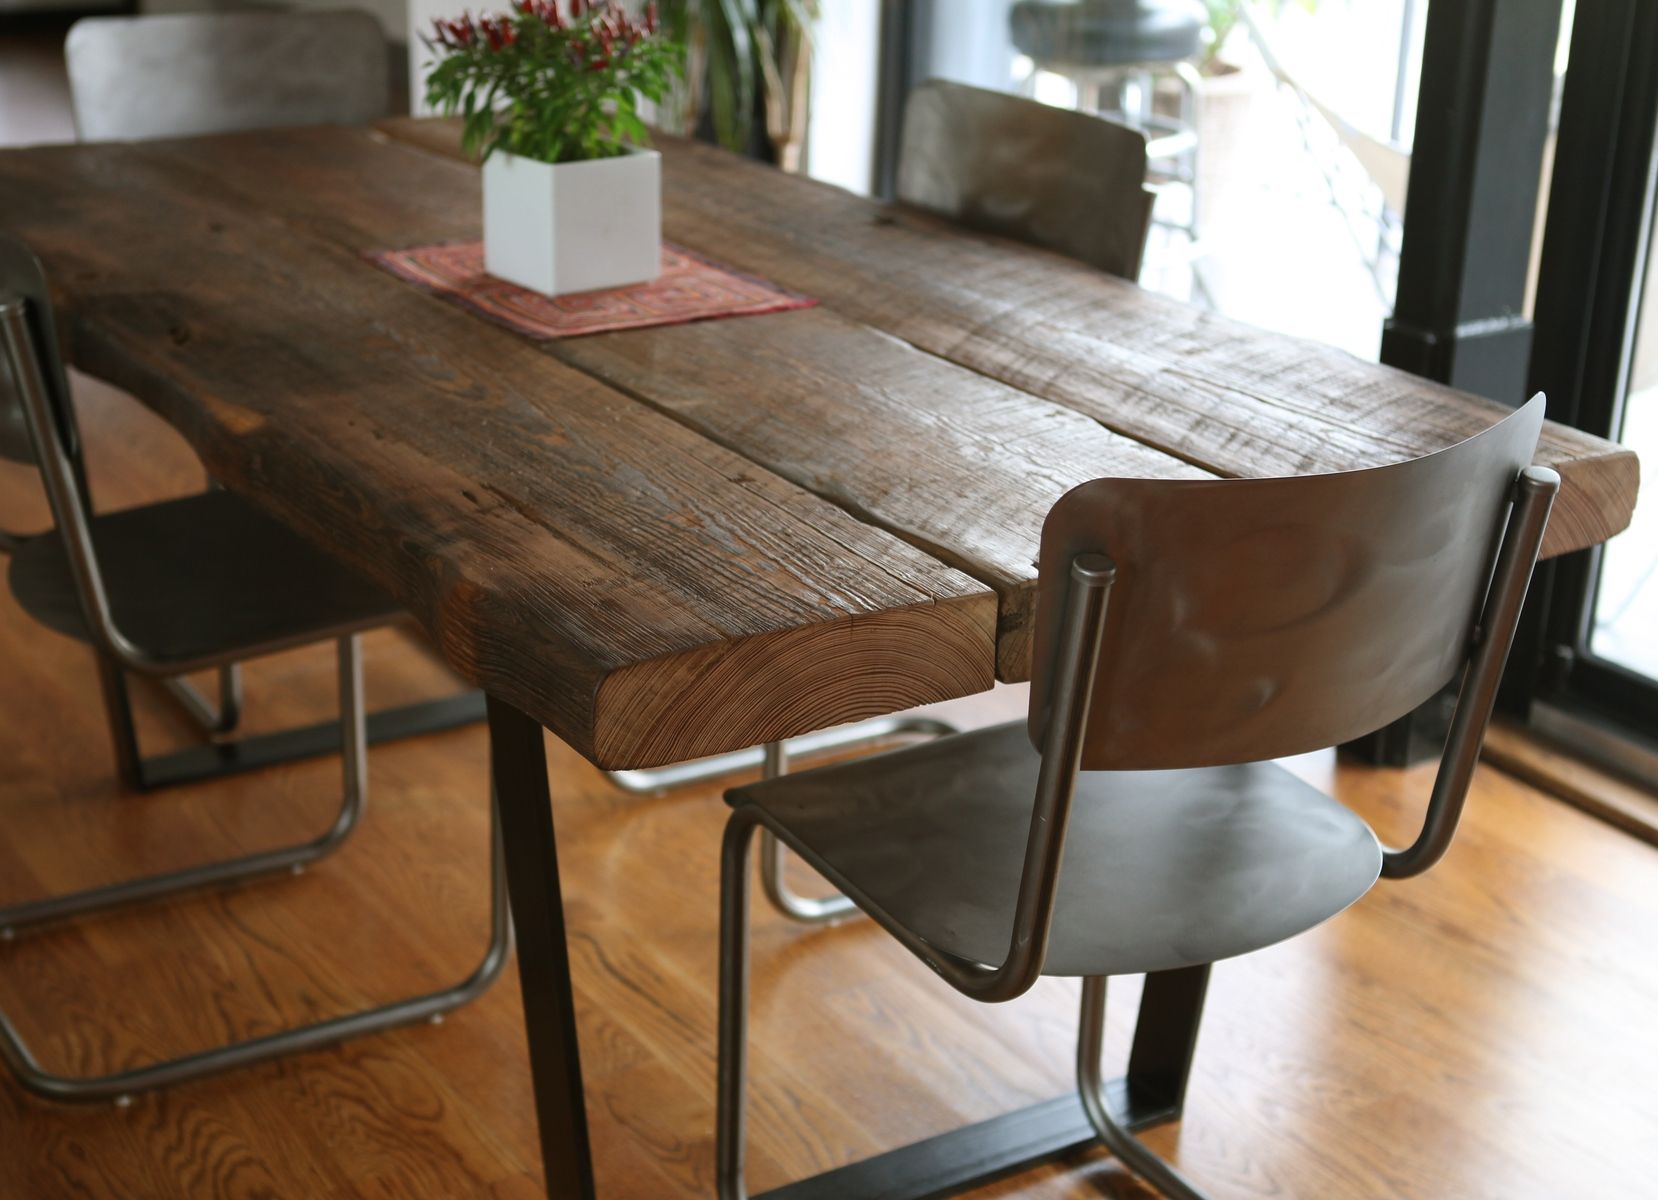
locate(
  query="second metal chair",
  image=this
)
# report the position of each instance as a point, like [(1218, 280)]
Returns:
[(161, 590)]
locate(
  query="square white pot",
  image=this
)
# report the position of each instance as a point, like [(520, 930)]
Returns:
[(573, 227)]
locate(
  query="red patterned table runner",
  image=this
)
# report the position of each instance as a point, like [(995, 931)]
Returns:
[(690, 288)]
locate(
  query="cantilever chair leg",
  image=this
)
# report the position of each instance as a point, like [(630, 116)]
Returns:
[(121, 1086), (732, 1086), (653, 781), (774, 861), (1129, 1150), (228, 756), (292, 858), (773, 759), (216, 719)]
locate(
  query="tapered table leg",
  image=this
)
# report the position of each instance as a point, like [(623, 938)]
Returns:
[(519, 759), (1165, 1037)]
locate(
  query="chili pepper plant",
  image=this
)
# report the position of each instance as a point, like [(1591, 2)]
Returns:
[(550, 81)]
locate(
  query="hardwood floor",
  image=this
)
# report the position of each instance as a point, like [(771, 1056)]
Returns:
[(1484, 1031)]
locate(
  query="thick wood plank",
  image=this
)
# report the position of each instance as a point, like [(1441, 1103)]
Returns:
[(1228, 397), (1483, 1031), (983, 462), (647, 594)]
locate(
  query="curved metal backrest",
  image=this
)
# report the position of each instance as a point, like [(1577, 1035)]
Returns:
[(184, 74), (1257, 618), (1063, 180), (21, 276)]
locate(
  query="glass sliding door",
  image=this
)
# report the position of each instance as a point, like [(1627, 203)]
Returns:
[(1623, 628), (1589, 673)]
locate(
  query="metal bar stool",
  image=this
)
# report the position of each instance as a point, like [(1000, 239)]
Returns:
[(1116, 51), (167, 588), (1187, 633)]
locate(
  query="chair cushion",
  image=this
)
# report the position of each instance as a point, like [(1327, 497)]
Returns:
[(1162, 869), (205, 575), (1105, 33)]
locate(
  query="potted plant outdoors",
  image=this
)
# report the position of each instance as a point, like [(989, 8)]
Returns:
[(549, 100)]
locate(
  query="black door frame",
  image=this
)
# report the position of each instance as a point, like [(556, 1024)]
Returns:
[(1595, 250)]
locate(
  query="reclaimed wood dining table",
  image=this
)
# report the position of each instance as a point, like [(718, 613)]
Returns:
[(670, 542)]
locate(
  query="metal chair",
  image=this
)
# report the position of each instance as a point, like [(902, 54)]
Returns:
[(1248, 619), (1115, 51), (1049, 177), (185, 74), (165, 589), (180, 75)]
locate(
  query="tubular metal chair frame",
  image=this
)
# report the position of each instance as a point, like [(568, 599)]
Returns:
[(116, 658), (773, 760), (102, 39), (62, 473), (1081, 632)]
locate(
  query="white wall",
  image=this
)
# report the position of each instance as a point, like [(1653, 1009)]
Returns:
[(418, 19), (840, 141)]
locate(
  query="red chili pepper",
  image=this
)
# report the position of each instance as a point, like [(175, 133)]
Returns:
[(650, 17)]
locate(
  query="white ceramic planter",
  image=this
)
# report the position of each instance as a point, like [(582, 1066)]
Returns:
[(573, 227)]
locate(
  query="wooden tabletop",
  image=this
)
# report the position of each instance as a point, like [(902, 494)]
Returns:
[(664, 543)]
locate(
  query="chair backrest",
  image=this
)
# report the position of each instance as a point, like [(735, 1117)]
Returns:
[(1066, 181), (1257, 618), (21, 277), (184, 74)]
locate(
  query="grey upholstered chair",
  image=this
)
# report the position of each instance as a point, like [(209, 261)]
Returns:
[(1063, 180), (164, 589), (1187, 632), (184, 74)]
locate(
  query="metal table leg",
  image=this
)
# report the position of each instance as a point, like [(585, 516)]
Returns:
[(524, 805)]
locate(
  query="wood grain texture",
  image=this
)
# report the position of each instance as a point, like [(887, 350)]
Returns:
[(1231, 398), (639, 589), (815, 480), (1483, 1031), (983, 461)]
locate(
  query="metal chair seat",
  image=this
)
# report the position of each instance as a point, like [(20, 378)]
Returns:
[(1096, 33), (1162, 869), (201, 576)]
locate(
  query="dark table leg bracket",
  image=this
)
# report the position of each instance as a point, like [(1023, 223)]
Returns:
[(311, 741), (972, 1156)]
